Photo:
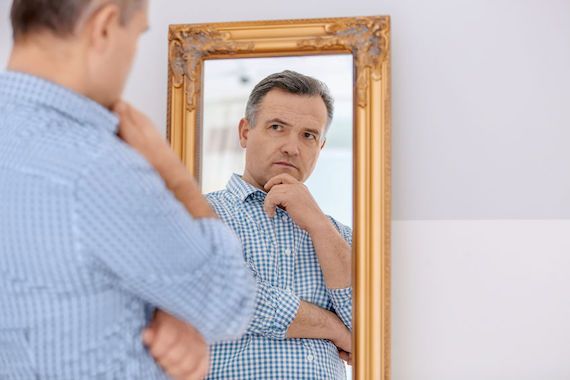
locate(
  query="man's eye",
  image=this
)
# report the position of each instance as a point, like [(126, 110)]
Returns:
[(310, 136), (276, 127)]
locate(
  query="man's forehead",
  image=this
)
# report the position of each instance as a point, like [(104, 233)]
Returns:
[(292, 108), (279, 95), (291, 117)]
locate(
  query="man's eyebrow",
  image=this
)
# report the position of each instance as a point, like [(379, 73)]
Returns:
[(277, 120), (315, 131), (280, 121)]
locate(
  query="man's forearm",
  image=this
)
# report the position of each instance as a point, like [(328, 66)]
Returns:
[(314, 322), (334, 255), (186, 190), (181, 183)]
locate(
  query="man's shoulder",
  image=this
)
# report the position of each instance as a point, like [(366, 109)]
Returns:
[(220, 196), (46, 145), (224, 204)]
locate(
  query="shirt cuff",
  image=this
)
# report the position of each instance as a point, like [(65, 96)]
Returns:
[(276, 309), (342, 304)]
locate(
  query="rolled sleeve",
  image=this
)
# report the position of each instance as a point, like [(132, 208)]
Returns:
[(140, 235), (342, 304), (276, 308), (342, 298)]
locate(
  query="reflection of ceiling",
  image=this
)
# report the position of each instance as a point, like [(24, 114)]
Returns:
[(221, 140), (237, 77)]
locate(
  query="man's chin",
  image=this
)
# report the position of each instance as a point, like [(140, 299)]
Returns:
[(282, 169)]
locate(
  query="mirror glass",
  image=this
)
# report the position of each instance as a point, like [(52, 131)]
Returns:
[(226, 87)]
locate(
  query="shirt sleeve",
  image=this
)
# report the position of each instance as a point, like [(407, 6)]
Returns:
[(275, 310), (342, 304), (137, 234), (342, 298)]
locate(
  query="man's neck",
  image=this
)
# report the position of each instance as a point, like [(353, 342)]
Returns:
[(48, 58), (249, 179)]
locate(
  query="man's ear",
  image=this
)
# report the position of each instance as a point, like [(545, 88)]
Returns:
[(243, 132), (102, 25)]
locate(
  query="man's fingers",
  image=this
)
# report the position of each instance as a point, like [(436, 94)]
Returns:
[(122, 109), (344, 340), (148, 336), (188, 368), (204, 367), (126, 124), (272, 200), (347, 357), (178, 356), (194, 366), (269, 205), (278, 196), (165, 339), (118, 107), (279, 179)]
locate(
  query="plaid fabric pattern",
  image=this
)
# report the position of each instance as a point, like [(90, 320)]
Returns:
[(91, 241), (285, 265)]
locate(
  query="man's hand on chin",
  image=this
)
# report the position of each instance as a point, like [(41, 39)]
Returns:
[(287, 192), (177, 347)]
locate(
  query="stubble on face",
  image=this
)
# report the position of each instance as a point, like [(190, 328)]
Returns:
[(268, 153)]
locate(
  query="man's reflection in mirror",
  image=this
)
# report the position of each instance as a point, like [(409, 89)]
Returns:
[(301, 258)]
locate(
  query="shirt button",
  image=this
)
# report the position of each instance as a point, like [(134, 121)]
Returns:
[(310, 358), (287, 252), (284, 218)]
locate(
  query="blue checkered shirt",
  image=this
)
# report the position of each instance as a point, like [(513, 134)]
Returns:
[(286, 267), (91, 241)]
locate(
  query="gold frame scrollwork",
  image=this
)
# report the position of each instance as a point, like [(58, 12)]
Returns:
[(368, 40)]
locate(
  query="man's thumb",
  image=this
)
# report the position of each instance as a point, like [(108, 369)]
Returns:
[(148, 336)]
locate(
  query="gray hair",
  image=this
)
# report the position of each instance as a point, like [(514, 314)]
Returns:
[(59, 17), (294, 83)]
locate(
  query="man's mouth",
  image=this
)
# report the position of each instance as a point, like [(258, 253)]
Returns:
[(285, 163)]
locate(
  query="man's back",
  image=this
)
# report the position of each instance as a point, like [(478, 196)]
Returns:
[(90, 238)]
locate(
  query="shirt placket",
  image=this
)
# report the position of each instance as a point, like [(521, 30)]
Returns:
[(285, 239)]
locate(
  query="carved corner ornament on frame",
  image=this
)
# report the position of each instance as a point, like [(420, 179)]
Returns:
[(368, 40)]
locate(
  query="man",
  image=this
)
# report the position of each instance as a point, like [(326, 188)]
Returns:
[(92, 240), (301, 258)]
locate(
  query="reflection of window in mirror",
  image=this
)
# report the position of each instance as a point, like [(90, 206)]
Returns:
[(227, 85)]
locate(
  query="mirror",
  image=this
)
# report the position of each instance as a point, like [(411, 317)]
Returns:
[(212, 71)]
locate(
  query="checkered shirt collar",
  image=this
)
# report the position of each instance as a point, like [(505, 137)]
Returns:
[(244, 190), (34, 90)]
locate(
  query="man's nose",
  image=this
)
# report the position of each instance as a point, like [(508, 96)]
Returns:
[(291, 146)]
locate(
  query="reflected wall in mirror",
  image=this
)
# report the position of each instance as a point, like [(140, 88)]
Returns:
[(212, 70)]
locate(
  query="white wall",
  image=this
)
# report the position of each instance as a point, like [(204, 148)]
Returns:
[(481, 124), (481, 300)]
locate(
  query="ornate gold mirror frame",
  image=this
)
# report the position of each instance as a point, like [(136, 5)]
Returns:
[(368, 40)]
